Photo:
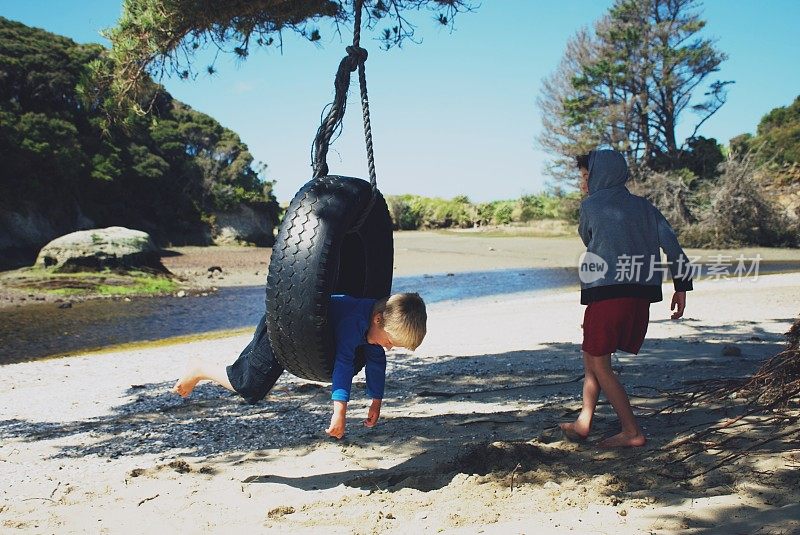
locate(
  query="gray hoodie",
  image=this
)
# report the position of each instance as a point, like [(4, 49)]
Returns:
[(626, 232)]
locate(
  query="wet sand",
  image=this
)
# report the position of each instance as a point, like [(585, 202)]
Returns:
[(418, 253)]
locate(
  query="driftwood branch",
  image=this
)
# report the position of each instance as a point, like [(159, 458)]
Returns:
[(148, 499)]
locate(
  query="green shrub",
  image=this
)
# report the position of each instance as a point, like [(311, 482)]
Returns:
[(411, 212), (503, 212), (738, 213), (569, 207)]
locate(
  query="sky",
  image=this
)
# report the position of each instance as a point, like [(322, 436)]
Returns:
[(455, 114)]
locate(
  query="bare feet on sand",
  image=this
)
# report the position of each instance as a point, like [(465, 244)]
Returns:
[(574, 431), (189, 380), (623, 440)]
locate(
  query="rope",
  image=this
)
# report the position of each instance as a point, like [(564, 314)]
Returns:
[(362, 83), (332, 122)]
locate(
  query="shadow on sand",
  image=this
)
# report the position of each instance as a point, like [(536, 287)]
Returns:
[(525, 395)]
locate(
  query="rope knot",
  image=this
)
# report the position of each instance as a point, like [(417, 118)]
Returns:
[(334, 112), (357, 55)]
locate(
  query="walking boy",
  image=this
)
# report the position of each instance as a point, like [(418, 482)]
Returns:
[(361, 326), (620, 277)]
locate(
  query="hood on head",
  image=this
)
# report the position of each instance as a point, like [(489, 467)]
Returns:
[(607, 169)]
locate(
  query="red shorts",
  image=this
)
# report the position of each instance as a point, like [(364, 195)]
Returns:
[(615, 324)]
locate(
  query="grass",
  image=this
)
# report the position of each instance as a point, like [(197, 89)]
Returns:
[(83, 284), (59, 291), (146, 285)]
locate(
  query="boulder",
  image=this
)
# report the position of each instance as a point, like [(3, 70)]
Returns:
[(112, 247), (248, 223)]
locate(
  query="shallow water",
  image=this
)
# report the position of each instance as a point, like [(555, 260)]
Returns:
[(37, 331)]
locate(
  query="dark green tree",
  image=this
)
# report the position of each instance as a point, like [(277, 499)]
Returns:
[(778, 135), (780, 128), (162, 173), (628, 82), (161, 37)]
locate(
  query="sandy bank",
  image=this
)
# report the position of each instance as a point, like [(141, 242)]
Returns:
[(418, 253), (97, 443), (203, 269)]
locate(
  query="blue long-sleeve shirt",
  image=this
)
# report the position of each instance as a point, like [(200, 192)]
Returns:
[(350, 318)]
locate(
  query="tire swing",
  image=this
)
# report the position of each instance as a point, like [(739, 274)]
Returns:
[(336, 237)]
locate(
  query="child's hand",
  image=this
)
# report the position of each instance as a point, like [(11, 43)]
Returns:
[(373, 414), (336, 429), (679, 302)]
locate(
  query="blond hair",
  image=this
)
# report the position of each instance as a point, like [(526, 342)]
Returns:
[(404, 318)]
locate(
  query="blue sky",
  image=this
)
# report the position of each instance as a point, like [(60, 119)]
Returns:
[(455, 114)]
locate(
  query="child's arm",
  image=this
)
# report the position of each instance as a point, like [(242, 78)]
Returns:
[(375, 370), (675, 256), (584, 228), (347, 339)]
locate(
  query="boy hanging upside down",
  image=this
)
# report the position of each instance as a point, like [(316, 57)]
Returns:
[(364, 326)]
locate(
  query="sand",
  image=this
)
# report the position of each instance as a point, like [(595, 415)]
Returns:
[(466, 444), (419, 253)]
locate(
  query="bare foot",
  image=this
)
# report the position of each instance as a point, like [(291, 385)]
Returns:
[(623, 440), (189, 380), (574, 431)]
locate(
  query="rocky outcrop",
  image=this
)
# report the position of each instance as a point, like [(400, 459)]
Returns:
[(24, 229), (112, 247), (249, 223), (782, 185), (788, 198), (31, 228)]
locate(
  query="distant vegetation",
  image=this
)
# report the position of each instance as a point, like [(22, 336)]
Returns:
[(751, 198), (628, 82), (70, 153), (163, 173), (610, 91), (413, 212), (776, 144)]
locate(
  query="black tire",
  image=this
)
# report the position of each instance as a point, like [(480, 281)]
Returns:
[(317, 254)]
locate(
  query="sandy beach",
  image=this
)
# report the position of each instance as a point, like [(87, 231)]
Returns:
[(468, 439), (428, 252)]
